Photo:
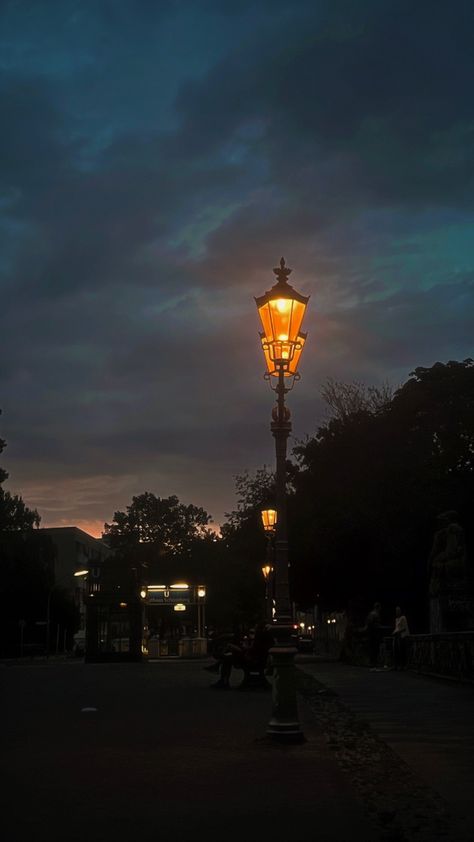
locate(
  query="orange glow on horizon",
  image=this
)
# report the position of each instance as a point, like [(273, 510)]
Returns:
[(94, 528)]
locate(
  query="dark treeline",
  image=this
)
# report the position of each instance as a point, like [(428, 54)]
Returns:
[(364, 493), (27, 583), (368, 487)]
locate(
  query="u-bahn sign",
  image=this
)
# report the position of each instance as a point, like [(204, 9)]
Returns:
[(169, 596)]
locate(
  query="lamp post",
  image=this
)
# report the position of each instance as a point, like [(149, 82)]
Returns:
[(201, 617), (281, 311)]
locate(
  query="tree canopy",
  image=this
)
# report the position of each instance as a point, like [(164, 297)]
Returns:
[(169, 526), (27, 558), (15, 516), (370, 484), (364, 493)]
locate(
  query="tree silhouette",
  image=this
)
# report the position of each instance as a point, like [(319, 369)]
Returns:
[(370, 484)]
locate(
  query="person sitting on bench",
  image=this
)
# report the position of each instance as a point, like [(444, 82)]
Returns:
[(252, 659)]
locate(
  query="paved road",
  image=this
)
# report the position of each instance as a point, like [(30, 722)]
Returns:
[(161, 756), (428, 722)]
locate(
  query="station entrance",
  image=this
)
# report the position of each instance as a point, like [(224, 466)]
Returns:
[(126, 621), (175, 620)]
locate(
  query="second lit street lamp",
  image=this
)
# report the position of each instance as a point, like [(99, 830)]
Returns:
[(281, 311), (269, 520)]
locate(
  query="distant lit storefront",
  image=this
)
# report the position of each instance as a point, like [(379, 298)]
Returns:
[(175, 620), (128, 620)]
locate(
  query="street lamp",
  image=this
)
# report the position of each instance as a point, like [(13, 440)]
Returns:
[(267, 573), (281, 311), (201, 608), (269, 520)]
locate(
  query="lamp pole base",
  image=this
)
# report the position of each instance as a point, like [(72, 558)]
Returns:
[(284, 725)]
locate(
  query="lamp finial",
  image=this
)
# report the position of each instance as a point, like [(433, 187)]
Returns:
[(282, 271)]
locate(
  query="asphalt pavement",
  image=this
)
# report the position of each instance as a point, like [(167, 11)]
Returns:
[(115, 752), (103, 752)]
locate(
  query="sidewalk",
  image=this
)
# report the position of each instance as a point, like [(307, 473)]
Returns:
[(427, 723)]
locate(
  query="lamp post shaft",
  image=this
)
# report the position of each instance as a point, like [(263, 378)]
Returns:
[(48, 621), (281, 429), (284, 723)]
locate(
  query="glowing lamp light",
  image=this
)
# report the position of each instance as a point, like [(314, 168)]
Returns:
[(81, 573), (201, 591), (281, 312), (291, 366), (179, 607), (266, 570), (269, 519), (179, 586), (143, 593)]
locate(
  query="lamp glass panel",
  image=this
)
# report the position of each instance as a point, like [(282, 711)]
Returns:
[(265, 316), (281, 309), (281, 319), (266, 353), (280, 350), (297, 354), (298, 312), (270, 357), (269, 518)]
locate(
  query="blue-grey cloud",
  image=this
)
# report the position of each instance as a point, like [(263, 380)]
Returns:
[(155, 162)]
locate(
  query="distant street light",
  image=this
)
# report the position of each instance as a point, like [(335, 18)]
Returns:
[(267, 571), (201, 610), (269, 520), (281, 311)]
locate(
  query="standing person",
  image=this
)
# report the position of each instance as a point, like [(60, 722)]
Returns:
[(400, 634), (374, 635)]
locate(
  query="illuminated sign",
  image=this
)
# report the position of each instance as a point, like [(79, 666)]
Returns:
[(168, 596)]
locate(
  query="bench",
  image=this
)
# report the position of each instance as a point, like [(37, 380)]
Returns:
[(255, 677)]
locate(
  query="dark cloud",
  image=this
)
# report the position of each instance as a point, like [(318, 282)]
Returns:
[(156, 161)]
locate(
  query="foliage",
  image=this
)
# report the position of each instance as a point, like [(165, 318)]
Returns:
[(169, 526), (27, 559), (348, 399), (15, 516), (243, 546), (370, 484), (161, 539), (253, 493)]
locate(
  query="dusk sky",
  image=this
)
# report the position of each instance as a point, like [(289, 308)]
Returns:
[(156, 161)]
